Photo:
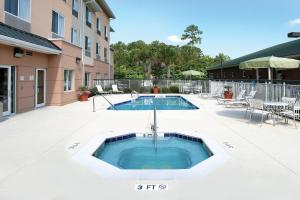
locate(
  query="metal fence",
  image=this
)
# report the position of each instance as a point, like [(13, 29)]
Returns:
[(145, 86), (265, 91)]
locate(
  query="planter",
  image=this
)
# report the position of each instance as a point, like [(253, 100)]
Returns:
[(84, 96), (228, 95), (155, 90)]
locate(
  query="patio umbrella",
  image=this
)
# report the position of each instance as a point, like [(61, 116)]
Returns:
[(270, 63), (191, 73)]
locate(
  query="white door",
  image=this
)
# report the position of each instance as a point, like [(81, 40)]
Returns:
[(40, 88), (5, 89)]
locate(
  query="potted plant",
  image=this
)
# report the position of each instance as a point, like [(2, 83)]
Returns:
[(155, 88), (227, 92), (84, 93)]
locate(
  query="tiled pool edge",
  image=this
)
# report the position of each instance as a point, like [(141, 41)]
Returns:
[(85, 157)]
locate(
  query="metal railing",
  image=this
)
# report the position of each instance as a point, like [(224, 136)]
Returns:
[(145, 86)]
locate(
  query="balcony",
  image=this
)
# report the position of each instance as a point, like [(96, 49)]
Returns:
[(92, 5)]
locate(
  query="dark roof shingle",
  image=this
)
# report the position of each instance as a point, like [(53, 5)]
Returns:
[(287, 49), (18, 34)]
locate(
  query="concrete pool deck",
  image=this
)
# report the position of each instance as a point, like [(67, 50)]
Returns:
[(37, 150)]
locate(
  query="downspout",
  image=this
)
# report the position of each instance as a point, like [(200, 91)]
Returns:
[(82, 42)]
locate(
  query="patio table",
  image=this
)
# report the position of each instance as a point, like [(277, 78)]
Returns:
[(275, 108)]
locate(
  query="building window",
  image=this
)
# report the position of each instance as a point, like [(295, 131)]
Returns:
[(87, 46), (98, 76), (19, 8), (244, 74), (99, 26), (106, 33), (75, 8), (87, 79), (75, 36), (58, 24), (232, 74), (98, 51), (105, 55), (68, 80), (88, 17)]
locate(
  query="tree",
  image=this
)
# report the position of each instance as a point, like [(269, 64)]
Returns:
[(221, 58), (193, 35)]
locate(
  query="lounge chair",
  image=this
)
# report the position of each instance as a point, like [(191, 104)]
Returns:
[(243, 101), (115, 90), (239, 98), (100, 90)]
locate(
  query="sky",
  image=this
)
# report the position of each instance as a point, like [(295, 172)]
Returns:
[(233, 27)]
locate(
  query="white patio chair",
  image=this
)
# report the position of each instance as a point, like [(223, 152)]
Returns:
[(244, 101), (100, 90), (115, 90), (256, 104), (239, 98), (292, 111)]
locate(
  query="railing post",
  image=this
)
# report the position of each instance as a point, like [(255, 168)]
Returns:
[(284, 92), (94, 107), (266, 91)]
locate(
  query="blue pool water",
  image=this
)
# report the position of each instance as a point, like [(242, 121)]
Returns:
[(139, 153), (147, 103)]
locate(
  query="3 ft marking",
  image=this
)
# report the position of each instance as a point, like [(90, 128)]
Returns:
[(151, 187)]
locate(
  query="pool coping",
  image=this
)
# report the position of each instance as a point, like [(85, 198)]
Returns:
[(196, 107), (85, 157)]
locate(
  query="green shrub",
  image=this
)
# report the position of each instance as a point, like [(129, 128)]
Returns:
[(93, 91), (127, 90), (143, 90), (174, 89), (165, 90)]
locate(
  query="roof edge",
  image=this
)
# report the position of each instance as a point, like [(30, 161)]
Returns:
[(106, 9)]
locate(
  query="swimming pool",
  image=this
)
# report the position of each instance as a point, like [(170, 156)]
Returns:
[(161, 103), (174, 151)]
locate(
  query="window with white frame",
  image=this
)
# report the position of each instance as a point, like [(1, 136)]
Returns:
[(87, 79), (98, 51), (75, 8), (68, 80), (98, 76), (105, 55), (87, 46), (19, 8), (105, 32), (58, 24), (88, 17), (75, 36), (99, 25)]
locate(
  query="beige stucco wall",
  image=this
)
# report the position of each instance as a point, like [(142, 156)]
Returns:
[(41, 17), (55, 75), (25, 68), (1, 10)]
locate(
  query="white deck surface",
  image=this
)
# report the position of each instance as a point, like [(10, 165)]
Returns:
[(36, 161)]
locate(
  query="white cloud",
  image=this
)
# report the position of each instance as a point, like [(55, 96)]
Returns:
[(175, 39), (294, 22)]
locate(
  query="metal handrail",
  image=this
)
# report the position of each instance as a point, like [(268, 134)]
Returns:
[(94, 105)]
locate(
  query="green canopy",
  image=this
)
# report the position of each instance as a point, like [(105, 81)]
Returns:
[(269, 63), (192, 73)]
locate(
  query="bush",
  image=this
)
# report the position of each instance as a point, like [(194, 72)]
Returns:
[(93, 91), (127, 90), (174, 89), (143, 90), (165, 90)]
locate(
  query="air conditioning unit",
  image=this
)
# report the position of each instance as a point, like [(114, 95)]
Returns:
[(18, 53), (92, 5)]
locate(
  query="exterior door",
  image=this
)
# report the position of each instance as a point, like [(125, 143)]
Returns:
[(5, 89), (40, 88)]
